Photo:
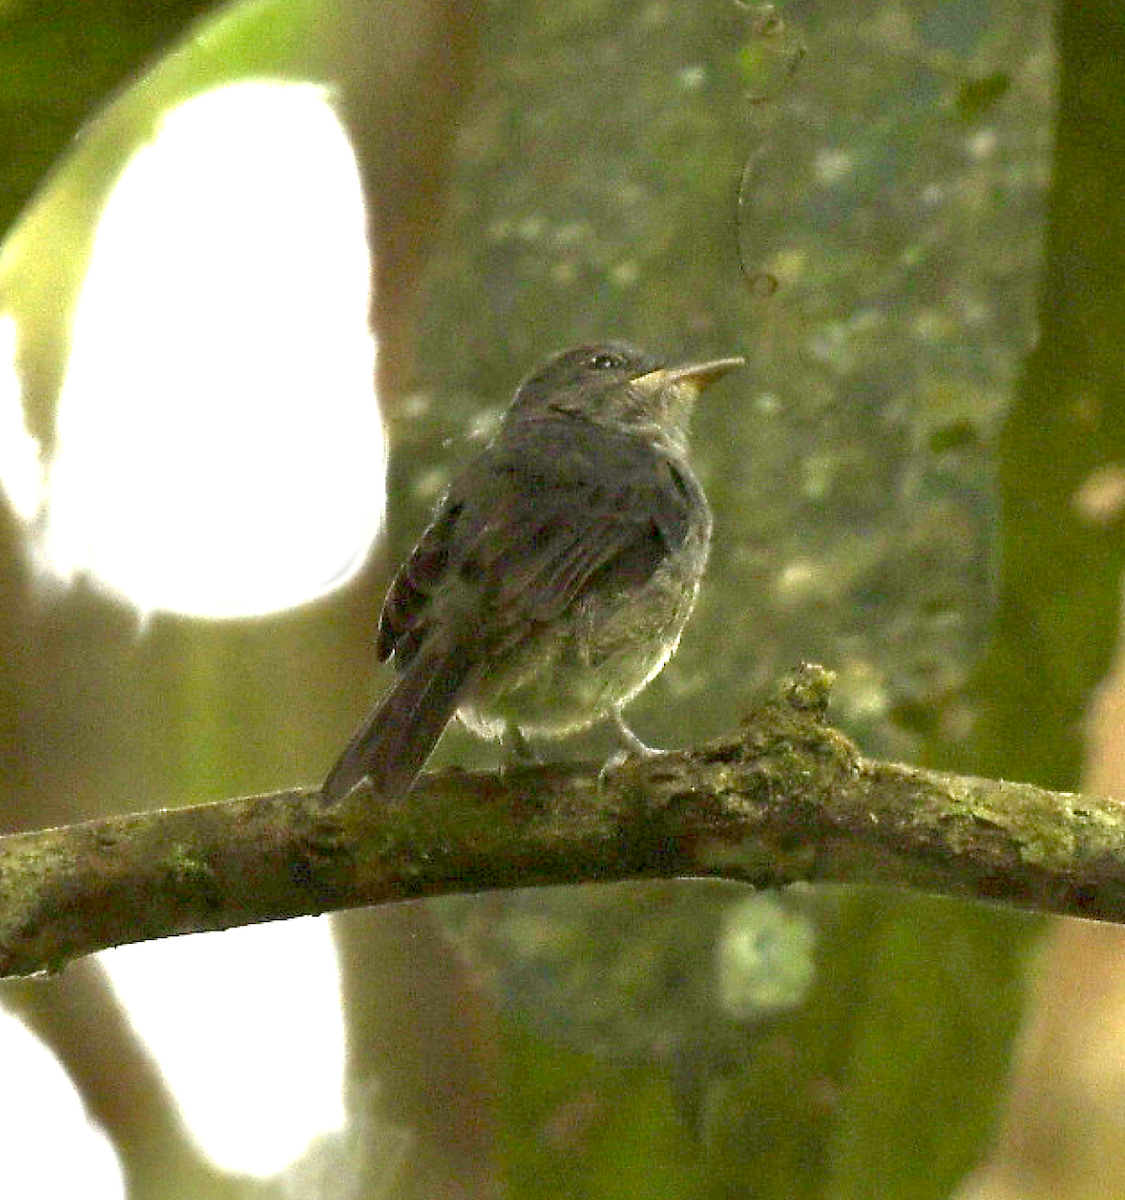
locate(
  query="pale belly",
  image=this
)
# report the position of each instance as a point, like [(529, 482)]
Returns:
[(589, 662)]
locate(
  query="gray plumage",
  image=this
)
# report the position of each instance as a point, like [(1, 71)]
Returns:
[(558, 572)]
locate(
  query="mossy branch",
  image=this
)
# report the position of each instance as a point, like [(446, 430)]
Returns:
[(788, 799)]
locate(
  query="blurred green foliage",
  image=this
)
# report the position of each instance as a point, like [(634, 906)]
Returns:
[(61, 60)]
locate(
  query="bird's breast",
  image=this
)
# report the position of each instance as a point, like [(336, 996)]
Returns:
[(597, 655)]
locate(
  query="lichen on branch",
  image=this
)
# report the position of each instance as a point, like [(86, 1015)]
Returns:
[(788, 799)]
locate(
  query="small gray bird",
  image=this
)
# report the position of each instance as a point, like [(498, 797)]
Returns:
[(558, 573)]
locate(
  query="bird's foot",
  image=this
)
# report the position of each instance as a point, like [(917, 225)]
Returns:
[(629, 746)]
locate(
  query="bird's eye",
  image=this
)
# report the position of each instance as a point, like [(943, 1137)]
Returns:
[(606, 362)]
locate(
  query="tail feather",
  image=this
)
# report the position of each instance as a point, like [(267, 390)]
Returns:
[(391, 747)]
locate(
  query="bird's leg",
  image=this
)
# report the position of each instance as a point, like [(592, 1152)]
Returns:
[(630, 744), (517, 749)]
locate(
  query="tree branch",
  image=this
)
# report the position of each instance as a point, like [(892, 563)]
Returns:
[(789, 799)]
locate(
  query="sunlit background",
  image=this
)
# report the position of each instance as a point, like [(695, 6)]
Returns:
[(219, 453)]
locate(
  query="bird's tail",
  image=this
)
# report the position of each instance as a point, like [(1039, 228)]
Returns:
[(392, 745)]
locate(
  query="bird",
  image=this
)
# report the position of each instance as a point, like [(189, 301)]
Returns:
[(557, 574)]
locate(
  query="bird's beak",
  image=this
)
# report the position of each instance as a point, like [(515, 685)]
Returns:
[(696, 375)]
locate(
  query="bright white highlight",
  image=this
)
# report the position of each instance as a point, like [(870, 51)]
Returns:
[(247, 1028), (73, 1158), (220, 450)]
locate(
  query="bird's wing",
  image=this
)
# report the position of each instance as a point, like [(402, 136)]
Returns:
[(405, 614), (550, 509)]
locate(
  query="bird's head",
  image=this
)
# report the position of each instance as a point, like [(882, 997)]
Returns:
[(618, 385)]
